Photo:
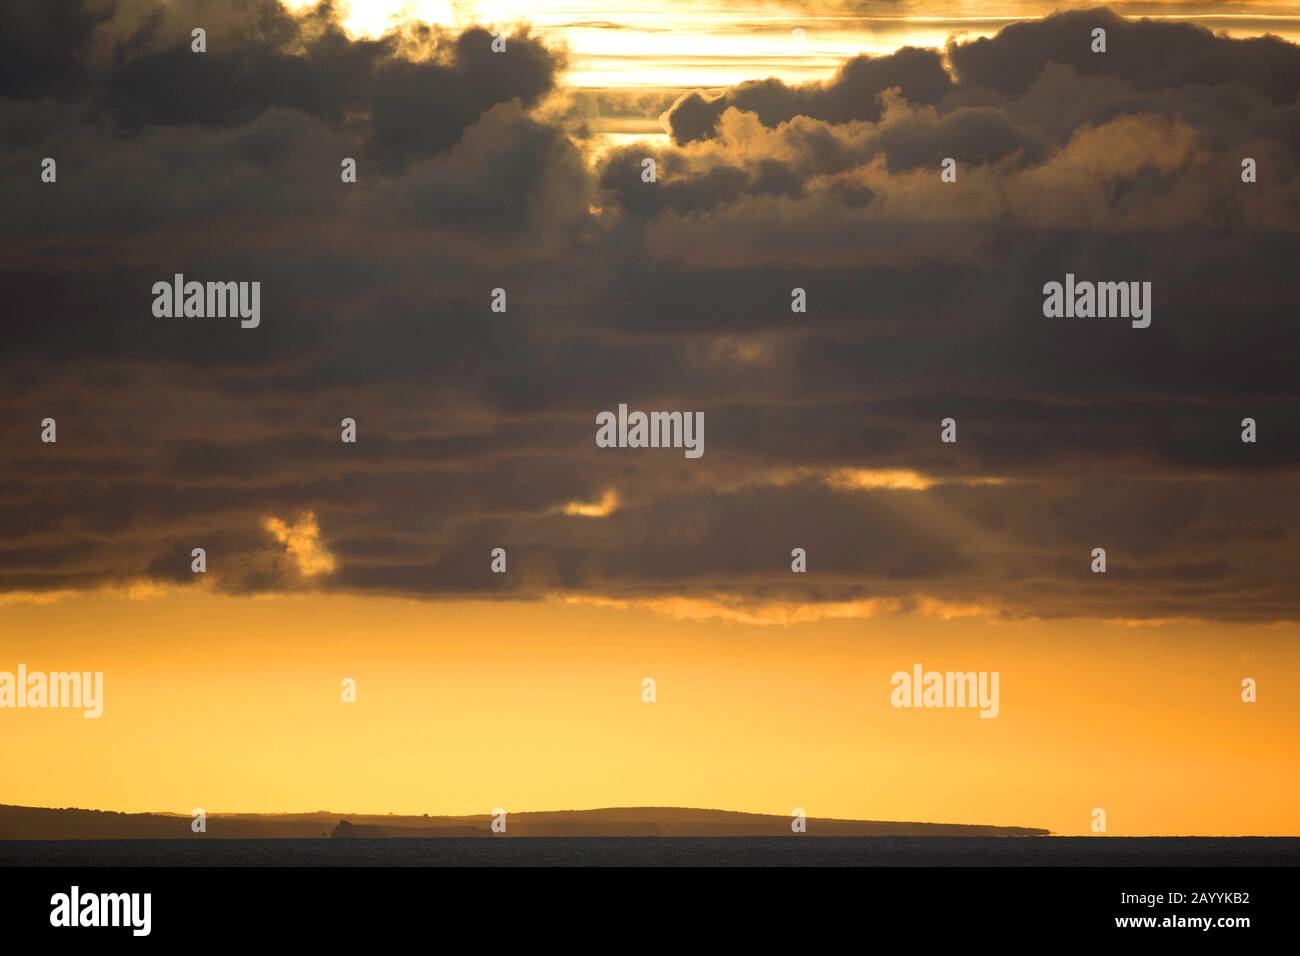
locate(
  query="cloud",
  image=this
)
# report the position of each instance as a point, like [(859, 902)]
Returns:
[(851, 94), (301, 539), (607, 505), (1149, 54), (475, 427), (127, 61)]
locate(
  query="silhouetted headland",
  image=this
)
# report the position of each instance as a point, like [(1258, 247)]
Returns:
[(36, 823)]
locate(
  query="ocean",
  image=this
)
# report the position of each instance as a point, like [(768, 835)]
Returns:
[(665, 851)]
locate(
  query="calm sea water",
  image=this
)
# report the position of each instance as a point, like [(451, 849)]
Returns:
[(674, 851)]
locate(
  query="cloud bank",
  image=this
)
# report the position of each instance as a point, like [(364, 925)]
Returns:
[(476, 428)]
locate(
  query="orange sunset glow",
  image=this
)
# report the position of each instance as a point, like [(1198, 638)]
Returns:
[(467, 706)]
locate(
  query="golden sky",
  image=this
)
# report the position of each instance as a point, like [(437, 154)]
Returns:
[(708, 43), (234, 704)]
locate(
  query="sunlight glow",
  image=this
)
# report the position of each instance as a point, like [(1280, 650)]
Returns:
[(685, 44)]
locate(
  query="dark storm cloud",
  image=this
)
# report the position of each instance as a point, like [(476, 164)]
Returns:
[(718, 185), (822, 428), (408, 94), (1150, 54), (44, 47), (504, 165), (448, 97), (1146, 55), (851, 94)]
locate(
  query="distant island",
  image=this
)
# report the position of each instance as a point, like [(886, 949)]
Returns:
[(38, 823)]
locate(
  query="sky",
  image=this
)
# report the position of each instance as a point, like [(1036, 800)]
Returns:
[(721, 42), (783, 162)]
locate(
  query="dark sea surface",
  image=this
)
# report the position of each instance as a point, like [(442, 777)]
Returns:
[(664, 851)]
